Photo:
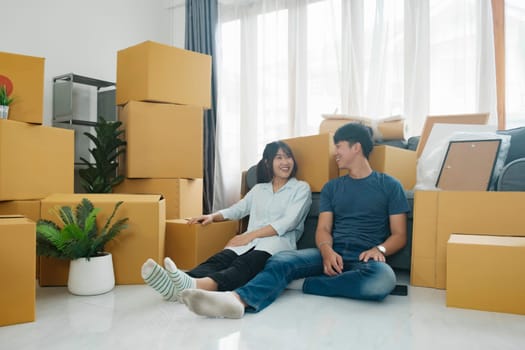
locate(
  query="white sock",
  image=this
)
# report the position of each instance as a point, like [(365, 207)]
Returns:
[(180, 279), (157, 278), (296, 284), (212, 304)]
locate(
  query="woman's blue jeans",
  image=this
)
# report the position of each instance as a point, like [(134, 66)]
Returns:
[(368, 281)]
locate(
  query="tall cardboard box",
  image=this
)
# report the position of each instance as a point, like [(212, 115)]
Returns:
[(183, 196), (191, 244), (315, 156), (35, 160), (29, 209), (486, 273), (155, 72), (17, 258), (23, 77), (438, 214), (394, 161), (143, 239), (163, 140)]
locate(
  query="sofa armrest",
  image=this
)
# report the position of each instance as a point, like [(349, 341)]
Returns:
[(512, 177)]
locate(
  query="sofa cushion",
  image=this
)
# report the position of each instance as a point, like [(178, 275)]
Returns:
[(512, 177), (517, 143)]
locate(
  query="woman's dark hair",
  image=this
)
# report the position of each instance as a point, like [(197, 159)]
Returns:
[(265, 165), (356, 132)]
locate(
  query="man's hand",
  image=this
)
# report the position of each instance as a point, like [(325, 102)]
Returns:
[(332, 262), (240, 240), (373, 254)]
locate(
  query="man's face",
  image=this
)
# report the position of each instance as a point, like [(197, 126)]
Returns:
[(344, 154)]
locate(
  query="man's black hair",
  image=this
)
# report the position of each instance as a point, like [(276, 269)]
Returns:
[(356, 133)]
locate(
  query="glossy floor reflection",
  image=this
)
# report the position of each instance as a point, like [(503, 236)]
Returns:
[(134, 317)]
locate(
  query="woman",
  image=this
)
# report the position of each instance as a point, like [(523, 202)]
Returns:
[(277, 207)]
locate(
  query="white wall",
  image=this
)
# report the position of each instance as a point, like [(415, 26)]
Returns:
[(83, 37)]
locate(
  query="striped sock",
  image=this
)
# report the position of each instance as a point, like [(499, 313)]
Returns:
[(180, 279), (157, 278)]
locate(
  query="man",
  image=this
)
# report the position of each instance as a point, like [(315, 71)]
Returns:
[(362, 220)]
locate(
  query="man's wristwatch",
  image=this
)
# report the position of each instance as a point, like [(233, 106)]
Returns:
[(382, 249)]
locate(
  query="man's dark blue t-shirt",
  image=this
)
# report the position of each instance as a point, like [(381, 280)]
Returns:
[(361, 209)]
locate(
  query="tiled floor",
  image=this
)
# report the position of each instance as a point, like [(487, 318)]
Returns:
[(134, 317)]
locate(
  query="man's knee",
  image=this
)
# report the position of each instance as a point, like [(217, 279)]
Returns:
[(382, 282)]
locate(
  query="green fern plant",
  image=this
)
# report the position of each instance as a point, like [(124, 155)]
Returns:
[(79, 236), (102, 176)]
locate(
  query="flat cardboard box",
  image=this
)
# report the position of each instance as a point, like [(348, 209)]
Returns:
[(163, 140), (29, 209), (143, 239), (315, 156), (183, 196), (35, 160), (160, 73), (24, 79), (189, 245), (17, 258), (394, 161), (438, 214), (486, 273), (389, 129), (475, 118)]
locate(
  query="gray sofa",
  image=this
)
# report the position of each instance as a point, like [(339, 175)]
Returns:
[(512, 178)]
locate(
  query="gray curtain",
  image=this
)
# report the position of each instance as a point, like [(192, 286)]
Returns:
[(201, 22)]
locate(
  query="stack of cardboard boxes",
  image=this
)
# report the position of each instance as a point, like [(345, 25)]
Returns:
[(162, 92), (35, 161)]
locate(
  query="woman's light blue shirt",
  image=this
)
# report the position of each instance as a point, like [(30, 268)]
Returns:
[(285, 210)]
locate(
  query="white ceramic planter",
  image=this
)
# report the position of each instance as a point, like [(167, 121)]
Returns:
[(4, 112), (91, 277)]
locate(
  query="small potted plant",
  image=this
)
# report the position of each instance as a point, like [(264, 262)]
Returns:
[(5, 101), (102, 176), (79, 240)]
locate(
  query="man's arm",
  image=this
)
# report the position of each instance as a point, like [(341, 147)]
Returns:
[(396, 241), (332, 262)]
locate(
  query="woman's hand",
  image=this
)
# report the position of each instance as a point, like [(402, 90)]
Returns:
[(240, 240), (203, 219)]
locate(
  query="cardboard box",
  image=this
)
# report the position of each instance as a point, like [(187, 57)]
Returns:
[(391, 128), (29, 209), (17, 258), (189, 245), (23, 77), (35, 160), (394, 161), (155, 72), (438, 214), (475, 118), (143, 239), (486, 273), (164, 140), (315, 156), (183, 196)]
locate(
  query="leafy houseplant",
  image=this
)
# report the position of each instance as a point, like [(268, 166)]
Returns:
[(5, 101), (102, 176), (79, 236)]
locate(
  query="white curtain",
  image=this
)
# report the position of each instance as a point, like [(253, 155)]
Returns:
[(284, 63)]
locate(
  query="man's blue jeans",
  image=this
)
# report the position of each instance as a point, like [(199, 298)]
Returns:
[(369, 281)]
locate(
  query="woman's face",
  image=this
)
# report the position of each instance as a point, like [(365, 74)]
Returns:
[(282, 165)]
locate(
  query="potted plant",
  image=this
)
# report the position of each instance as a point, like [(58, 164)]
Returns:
[(80, 240), (102, 176), (5, 101)]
